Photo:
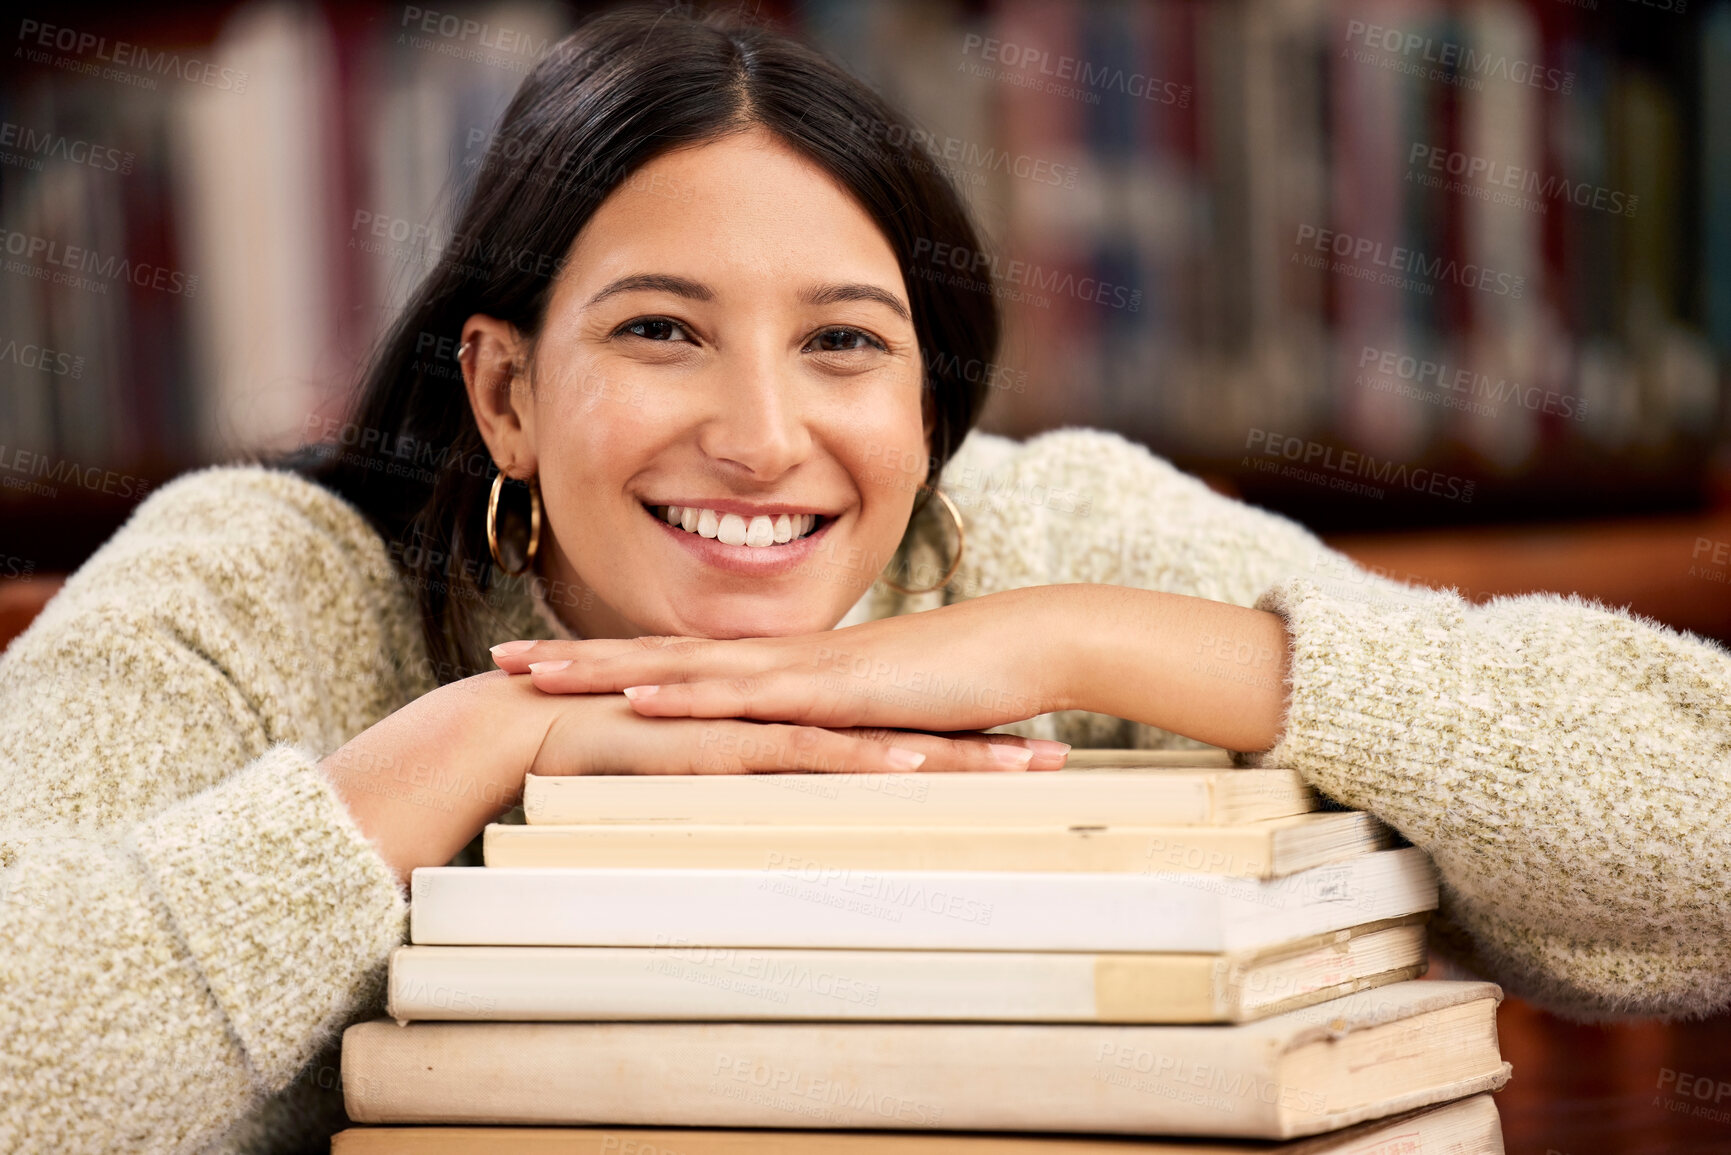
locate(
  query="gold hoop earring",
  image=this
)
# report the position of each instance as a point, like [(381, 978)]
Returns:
[(534, 525), (955, 563)]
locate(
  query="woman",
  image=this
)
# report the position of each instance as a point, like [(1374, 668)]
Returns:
[(693, 307)]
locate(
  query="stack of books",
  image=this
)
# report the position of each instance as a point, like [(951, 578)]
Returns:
[(790, 962)]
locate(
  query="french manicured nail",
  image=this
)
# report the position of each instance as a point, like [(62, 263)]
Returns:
[(506, 649), (1046, 748), (548, 667), (1013, 757), (900, 759), (638, 693)]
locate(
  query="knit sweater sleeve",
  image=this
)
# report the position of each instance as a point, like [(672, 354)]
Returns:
[(187, 911), (1567, 766)]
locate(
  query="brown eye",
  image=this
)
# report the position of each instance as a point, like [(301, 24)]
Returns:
[(655, 329), (843, 340)]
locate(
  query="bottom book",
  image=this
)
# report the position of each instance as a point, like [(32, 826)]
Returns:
[(1365, 1056), (1465, 1127)]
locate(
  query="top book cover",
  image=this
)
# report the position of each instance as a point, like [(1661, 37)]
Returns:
[(1116, 788)]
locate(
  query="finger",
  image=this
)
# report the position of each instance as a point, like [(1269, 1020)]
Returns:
[(728, 746), (777, 696), (974, 752), (518, 655), (676, 660)]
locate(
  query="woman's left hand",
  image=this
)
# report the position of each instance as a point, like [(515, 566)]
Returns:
[(980, 663)]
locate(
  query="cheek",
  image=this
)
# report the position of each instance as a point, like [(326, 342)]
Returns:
[(888, 460)]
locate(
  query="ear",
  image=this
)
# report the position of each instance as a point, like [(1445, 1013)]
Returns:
[(495, 374)]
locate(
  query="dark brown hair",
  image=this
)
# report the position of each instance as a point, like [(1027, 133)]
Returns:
[(621, 90)]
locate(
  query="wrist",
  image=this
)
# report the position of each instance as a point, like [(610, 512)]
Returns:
[(1207, 670)]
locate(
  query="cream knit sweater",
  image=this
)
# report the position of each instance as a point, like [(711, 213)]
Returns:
[(188, 917)]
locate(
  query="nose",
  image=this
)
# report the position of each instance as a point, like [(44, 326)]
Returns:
[(757, 424)]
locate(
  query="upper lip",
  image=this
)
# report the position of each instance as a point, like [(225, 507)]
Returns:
[(744, 508)]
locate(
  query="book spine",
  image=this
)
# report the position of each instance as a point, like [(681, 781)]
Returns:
[(881, 1076), (686, 981), (1060, 799), (1257, 852)]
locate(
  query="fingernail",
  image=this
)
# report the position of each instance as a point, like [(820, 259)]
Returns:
[(506, 649), (1014, 757), (901, 759), (548, 667), (637, 692), (1047, 748)]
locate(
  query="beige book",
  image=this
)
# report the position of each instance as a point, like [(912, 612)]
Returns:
[(1464, 1127), (1272, 848), (1368, 1055), (1211, 758), (690, 982), (1161, 796)]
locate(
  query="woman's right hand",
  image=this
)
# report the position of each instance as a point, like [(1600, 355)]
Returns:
[(423, 781)]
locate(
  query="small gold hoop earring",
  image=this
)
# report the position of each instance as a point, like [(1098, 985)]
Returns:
[(955, 563), (534, 525)]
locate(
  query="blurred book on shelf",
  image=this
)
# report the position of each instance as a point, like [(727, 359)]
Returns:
[(1373, 265)]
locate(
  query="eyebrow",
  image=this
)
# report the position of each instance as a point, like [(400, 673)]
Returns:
[(697, 291), (835, 294), (655, 282)]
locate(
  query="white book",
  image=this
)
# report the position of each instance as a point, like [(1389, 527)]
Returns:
[(911, 909), (683, 981)]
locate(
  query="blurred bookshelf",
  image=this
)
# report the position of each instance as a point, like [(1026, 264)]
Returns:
[(1379, 266)]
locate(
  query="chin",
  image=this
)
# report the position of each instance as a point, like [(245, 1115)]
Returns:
[(754, 621)]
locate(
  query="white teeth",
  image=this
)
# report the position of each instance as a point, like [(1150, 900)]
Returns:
[(733, 529)]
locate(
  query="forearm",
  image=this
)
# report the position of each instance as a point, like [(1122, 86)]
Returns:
[(1204, 669), (422, 782)]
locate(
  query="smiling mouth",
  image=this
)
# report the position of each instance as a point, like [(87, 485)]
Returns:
[(760, 532)]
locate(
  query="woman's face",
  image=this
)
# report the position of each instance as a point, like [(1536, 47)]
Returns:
[(729, 335)]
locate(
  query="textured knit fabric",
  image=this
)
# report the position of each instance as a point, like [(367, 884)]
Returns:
[(188, 917)]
